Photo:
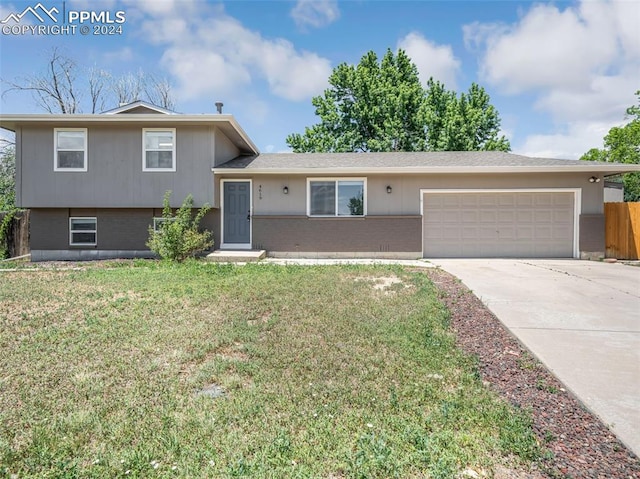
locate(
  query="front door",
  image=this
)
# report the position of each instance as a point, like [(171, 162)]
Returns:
[(236, 214)]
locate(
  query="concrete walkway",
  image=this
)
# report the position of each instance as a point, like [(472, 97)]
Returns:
[(580, 318)]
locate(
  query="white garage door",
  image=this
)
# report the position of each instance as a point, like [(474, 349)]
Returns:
[(498, 224)]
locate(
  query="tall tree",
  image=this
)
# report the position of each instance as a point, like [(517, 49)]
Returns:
[(7, 178), (370, 107), (382, 107), (467, 123), (63, 86), (622, 145)]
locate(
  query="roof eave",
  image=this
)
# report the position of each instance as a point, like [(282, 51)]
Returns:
[(11, 122), (606, 170)]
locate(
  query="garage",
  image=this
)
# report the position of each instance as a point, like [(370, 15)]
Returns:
[(499, 223)]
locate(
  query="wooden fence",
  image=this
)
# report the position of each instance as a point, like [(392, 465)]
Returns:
[(622, 230), (18, 237)]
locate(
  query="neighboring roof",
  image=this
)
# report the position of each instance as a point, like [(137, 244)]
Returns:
[(226, 123), (413, 162), (139, 106)]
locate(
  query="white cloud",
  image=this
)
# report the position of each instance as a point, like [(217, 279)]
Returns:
[(581, 63), (315, 13), (578, 138), (548, 47), (212, 53), (432, 60)]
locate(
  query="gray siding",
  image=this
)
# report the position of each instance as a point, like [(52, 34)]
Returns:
[(18, 167), (225, 150), (592, 236), (115, 178), (405, 197), (122, 230)]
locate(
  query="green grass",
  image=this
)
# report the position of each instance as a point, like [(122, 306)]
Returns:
[(326, 376)]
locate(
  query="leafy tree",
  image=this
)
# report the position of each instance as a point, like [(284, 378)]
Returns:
[(7, 179), (371, 106), (467, 123), (381, 106), (178, 236), (622, 145), (356, 205), (8, 208)]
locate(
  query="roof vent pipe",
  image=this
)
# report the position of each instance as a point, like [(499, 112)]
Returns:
[(219, 106)]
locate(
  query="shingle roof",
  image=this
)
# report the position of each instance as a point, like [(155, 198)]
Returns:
[(391, 159), (454, 161)]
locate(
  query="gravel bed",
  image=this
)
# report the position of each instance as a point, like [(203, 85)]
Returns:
[(577, 443)]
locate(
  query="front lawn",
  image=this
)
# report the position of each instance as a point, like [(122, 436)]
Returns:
[(326, 372)]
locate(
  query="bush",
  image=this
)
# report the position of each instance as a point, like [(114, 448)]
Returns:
[(178, 236)]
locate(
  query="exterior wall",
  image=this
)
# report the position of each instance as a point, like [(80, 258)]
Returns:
[(121, 233), (18, 151), (379, 235), (613, 192), (592, 237), (280, 222), (115, 178), (405, 196), (225, 150)]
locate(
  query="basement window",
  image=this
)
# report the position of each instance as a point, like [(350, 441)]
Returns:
[(83, 231), (158, 222)]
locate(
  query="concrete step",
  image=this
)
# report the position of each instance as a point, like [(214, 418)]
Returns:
[(236, 256)]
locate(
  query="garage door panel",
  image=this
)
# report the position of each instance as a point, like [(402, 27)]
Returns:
[(487, 232), (525, 199), (498, 224), (506, 200), (506, 234), (542, 216), (488, 216), (562, 216), (524, 233), (449, 201), (469, 216), (486, 200), (507, 216), (544, 199)]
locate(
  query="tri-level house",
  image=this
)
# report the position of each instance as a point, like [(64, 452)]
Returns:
[(95, 184)]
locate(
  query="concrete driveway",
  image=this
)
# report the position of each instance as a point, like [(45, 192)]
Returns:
[(580, 318)]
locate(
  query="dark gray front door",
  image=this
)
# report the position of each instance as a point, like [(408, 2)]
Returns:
[(237, 213)]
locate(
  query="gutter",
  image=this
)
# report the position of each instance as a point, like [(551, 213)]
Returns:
[(606, 170)]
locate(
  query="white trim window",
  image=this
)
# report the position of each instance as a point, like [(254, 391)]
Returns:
[(342, 197), (158, 221), (158, 149), (70, 149), (83, 231)]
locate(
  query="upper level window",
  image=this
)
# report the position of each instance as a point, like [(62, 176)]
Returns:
[(70, 145), (159, 149), (336, 197)]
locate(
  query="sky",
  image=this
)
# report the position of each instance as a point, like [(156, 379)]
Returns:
[(561, 74)]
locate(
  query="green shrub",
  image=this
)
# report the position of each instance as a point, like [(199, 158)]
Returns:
[(178, 236)]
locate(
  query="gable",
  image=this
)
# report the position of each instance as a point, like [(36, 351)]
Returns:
[(138, 107), (138, 110)]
